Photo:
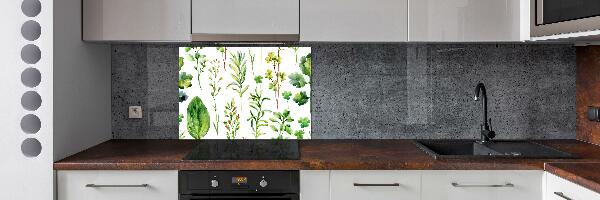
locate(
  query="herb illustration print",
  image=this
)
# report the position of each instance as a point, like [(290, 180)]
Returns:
[(244, 92)]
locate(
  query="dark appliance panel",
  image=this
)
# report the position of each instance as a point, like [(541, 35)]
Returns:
[(554, 11), (244, 150), (234, 185)]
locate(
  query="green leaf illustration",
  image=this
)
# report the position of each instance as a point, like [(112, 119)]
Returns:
[(287, 95), (252, 58), (214, 84), (199, 60), (299, 134), (306, 64), (185, 80), (232, 119), (297, 80), (238, 74), (182, 96), (198, 120), (301, 98), (257, 112), (295, 49), (281, 122), (304, 122), (269, 74), (273, 58), (258, 79), (180, 118), (180, 62)]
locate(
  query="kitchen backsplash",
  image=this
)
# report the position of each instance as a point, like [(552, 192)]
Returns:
[(244, 92), (382, 90)]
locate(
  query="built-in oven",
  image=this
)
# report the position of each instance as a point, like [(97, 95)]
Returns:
[(239, 185), (552, 17)]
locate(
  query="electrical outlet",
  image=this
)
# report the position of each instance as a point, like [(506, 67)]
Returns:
[(135, 112)]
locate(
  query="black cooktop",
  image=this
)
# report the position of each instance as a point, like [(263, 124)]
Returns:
[(245, 150)]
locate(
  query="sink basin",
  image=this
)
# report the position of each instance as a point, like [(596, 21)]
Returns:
[(469, 149)]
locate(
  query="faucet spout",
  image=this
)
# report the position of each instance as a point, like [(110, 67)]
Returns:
[(486, 133)]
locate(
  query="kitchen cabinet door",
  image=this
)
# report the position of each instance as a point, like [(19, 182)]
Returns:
[(245, 20), (560, 189), (375, 185), (353, 20), (136, 20), (314, 185), (117, 185), (482, 185), (468, 21)]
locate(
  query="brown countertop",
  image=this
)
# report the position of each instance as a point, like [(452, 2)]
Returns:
[(584, 174), (314, 155)]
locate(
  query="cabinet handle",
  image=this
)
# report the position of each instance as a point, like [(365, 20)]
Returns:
[(376, 184), (470, 186), (115, 186), (562, 195)]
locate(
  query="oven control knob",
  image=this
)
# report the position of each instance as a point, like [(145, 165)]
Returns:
[(214, 183), (263, 183)]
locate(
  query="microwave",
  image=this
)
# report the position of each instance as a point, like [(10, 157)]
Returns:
[(553, 17)]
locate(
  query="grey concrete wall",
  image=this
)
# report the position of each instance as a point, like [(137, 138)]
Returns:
[(384, 90)]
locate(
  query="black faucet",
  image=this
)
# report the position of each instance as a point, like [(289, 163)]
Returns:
[(487, 134)]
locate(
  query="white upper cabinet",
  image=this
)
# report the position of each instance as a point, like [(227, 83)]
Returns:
[(245, 20), (353, 20), (468, 20), (136, 20)]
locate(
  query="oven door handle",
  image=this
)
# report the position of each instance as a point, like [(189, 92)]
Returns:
[(254, 197), (285, 196), (192, 197)]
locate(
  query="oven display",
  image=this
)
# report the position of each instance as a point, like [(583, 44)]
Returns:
[(239, 180)]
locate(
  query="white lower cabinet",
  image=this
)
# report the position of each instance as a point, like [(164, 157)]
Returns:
[(341, 185), (482, 185), (117, 185), (375, 185), (314, 184), (560, 189)]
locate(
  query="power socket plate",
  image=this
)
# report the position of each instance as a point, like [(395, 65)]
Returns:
[(135, 112)]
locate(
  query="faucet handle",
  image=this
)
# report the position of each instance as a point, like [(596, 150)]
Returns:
[(492, 133)]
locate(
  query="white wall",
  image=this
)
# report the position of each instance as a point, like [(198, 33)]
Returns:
[(82, 86), (24, 177)]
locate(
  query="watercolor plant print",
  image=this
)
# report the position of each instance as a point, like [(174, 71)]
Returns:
[(244, 92)]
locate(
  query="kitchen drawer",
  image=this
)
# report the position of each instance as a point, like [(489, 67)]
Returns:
[(386, 185), (119, 185), (482, 185), (556, 186)]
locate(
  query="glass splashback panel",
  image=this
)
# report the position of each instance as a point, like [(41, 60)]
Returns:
[(244, 92)]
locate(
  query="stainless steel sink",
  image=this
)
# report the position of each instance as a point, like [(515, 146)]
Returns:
[(469, 149)]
